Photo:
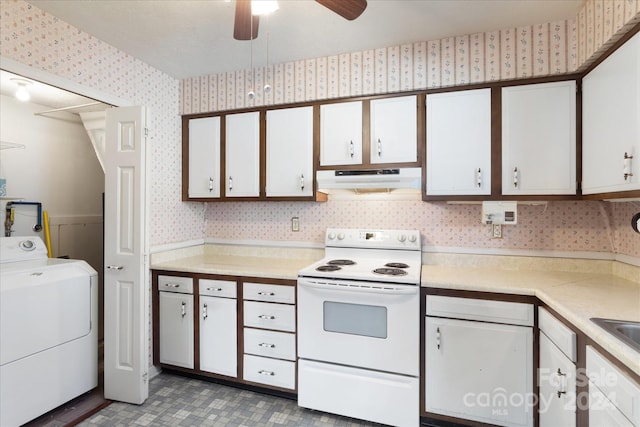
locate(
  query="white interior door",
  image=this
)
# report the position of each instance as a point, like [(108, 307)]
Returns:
[(126, 292)]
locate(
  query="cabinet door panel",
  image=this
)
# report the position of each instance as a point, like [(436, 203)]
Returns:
[(539, 139), (341, 133), (242, 148), (479, 371), (459, 143), (557, 380), (204, 157), (176, 329), (290, 152), (394, 130), (610, 123), (218, 336)]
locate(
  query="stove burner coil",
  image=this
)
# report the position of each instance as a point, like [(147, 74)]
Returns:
[(328, 268), (390, 271), (396, 265), (341, 262)]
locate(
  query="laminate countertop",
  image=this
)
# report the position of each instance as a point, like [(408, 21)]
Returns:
[(575, 296)]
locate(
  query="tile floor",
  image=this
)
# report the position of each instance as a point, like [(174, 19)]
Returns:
[(179, 401)]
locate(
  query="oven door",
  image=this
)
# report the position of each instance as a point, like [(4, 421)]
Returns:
[(361, 324)]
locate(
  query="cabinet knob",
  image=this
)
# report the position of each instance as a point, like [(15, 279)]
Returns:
[(438, 338), (479, 178), (515, 177), (267, 294), (210, 184), (301, 182), (266, 317), (114, 267), (352, 151), (205, 314), (183, 309), (379, 148), (263, 372), (214, 289), (230, 183)]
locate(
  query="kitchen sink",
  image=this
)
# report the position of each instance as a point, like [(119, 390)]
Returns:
[(626, 331)]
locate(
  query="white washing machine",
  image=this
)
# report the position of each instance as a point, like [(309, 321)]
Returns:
[(48, 330)]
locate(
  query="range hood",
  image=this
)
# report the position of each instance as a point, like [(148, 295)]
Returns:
[(369, 180)]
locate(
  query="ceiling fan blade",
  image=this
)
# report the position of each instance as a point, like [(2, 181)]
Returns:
[(245, 23), (348, 9)]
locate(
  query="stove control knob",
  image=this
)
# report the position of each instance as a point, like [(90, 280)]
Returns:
[(331, 236), (412, 238), (402, 237), (340, 236)]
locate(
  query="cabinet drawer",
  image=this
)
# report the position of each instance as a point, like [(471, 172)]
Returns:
[(218, 288), (182, 285), (273, 372), (511, 313), (558, 333), (622, 391), (270, 316), (280, 345), (270, 293)]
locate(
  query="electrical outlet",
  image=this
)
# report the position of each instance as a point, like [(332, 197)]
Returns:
[(295, 224), (496, 231)]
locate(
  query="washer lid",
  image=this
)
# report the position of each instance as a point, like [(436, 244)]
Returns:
[(21, 248)]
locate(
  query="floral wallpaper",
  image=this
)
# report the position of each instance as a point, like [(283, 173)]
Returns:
[(590, 226), (551, 48), (32, 37)]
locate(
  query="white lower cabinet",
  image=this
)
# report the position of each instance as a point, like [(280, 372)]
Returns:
[(218, 327), (479, 370), (176, 321), (557, 382), (269, 335), (556, 372), (614, 398)]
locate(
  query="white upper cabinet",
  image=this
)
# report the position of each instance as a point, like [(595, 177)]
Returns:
[(459, 143), (242, 149), (341, 133), (539, 139), (204, 157), (611, 122), (394, 130), (290, 152)]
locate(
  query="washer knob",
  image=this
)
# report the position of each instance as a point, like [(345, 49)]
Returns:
[(412, 238), (340, 236), (331, 236), (402, 238)]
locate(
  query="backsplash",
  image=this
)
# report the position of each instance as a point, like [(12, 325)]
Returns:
[(531, 51), (588, 226)]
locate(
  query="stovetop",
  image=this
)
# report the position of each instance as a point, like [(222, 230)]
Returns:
[(369, 255)]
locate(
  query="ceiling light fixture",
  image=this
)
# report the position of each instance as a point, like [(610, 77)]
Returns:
[(22, 94), (263, 7)]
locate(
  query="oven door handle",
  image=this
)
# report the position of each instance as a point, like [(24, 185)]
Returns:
[(381, 289)]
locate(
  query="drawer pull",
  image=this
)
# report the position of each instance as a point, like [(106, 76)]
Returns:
[(263, 372), (214, 289), (172, 285), (267, 345), (266, 294), (266, 317)]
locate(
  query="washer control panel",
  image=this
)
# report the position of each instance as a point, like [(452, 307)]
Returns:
[(21, 248)]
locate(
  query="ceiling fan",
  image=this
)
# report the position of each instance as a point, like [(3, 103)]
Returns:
[(246, 24)]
